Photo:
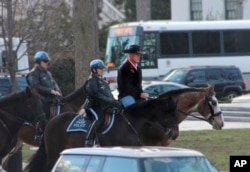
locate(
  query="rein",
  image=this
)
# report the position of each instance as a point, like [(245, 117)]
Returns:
[(133, 129), (201, 118), (194, 116)]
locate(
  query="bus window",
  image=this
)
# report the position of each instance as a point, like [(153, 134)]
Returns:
[(206, 42), (174, 43), (149, 47), (237, 41)]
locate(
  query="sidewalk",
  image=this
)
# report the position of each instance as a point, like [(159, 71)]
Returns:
[(201, 125)]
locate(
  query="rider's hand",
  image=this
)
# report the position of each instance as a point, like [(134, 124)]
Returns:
[(117, 104), (56, 93), (144, 95)]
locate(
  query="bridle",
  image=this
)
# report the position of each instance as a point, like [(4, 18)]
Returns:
[(210, 103)]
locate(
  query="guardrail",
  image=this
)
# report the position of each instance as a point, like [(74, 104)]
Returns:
[(238, 112)]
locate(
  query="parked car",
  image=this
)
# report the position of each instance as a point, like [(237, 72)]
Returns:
[(241, 99), (154, 88), (228, 80), (5, 84), (133, 159)]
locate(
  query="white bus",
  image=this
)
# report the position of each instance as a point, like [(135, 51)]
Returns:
[(22, 65), (171, 44)]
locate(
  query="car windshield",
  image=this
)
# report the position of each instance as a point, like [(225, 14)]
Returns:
[(180, 164), (175, 76)]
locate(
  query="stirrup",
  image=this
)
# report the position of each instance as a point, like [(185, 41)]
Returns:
[(38, 138), (89, 143)]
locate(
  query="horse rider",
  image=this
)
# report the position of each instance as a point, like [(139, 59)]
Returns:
[(41, 79), (129, 78), (99, 98)]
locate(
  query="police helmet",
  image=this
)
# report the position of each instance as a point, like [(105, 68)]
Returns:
[(97, 63), (41, 56)]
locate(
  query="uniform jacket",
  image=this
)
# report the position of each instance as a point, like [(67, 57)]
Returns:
[(43, 81), (129, 81), (99, 93)]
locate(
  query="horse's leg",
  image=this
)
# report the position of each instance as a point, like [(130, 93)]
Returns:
[(56, 139), (27, 134), (9, 155)]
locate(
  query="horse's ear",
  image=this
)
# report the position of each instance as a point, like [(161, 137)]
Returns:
[(211, 87)]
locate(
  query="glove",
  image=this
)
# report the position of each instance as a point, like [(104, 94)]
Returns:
[(117, 104)]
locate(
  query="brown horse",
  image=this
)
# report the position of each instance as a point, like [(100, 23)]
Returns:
[(201, 100), (15, 109), (125, 129), (70, 103), (190, 100)]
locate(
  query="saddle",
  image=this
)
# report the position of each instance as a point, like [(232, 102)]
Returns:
[(83, 121)]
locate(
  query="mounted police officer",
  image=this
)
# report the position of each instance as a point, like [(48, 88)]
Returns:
[(41, 79), (99, 99)]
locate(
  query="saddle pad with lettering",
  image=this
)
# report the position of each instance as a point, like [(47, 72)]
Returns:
[(79, 124)]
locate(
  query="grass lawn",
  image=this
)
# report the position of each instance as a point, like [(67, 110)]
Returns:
[(217, 145)]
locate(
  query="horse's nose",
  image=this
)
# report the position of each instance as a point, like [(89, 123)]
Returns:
[(174, 137)]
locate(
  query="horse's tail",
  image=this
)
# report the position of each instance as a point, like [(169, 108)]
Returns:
[(38, 160)]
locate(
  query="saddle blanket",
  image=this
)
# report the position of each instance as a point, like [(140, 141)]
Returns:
[(79, 124)]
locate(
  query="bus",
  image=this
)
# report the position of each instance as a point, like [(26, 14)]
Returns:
[(22, 63), (173, 44)]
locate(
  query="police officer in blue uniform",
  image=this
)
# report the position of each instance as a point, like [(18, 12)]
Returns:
[(41, 79), (99, 98)]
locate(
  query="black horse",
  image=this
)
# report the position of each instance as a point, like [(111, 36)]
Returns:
[(15, 109), (128, 129)]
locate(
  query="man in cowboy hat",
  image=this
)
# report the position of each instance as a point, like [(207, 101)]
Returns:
[(130, 78)]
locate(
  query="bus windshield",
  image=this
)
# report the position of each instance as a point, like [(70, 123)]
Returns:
[(115, 47)]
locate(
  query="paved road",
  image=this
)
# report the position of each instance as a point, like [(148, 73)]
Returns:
[(201, 125)]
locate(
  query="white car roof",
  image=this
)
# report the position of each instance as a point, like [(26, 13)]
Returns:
[(147, 83), (134, 152)]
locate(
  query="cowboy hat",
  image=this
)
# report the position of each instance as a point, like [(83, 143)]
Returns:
[(134, 49)]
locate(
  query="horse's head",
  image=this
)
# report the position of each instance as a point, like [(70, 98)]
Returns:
[(74, 100), (210, 109)]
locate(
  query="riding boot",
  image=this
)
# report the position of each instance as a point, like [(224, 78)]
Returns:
[(90, 137)]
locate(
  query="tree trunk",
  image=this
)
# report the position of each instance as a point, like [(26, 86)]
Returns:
[(143, 10), (10, 56), (86, 38)]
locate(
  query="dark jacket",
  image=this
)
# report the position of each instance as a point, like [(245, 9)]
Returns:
[(129, 81), (43, 81), (99, 93)]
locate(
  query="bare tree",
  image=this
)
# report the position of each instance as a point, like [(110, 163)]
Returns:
[(7, 34), (143, 10), (44, 24), (86, 37)]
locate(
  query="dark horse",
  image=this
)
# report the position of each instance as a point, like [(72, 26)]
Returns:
[(15, 109), (70, 103), (26, 133), (128, 129)]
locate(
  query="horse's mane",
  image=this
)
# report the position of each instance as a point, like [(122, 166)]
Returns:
[(181, 91), (71, 96), (151, 103), (13, 96)]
